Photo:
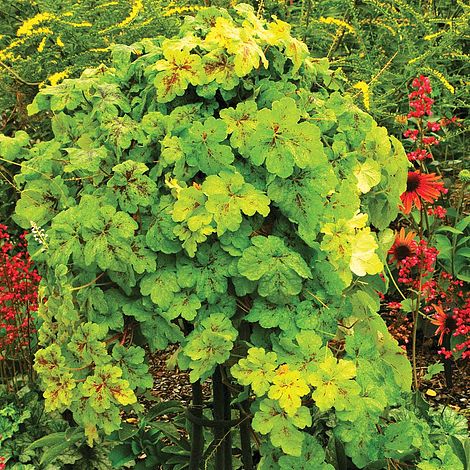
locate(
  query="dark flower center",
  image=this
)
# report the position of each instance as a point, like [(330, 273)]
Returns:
[(412, 183), (451, 324), (402, 252)]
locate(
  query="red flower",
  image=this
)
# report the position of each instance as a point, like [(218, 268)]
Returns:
[(420, 186), (403, 247)]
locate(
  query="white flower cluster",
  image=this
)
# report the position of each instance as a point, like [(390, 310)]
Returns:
[(39, 233)]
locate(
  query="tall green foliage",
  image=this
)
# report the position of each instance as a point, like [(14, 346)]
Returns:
[(216, 190), (377, 48)]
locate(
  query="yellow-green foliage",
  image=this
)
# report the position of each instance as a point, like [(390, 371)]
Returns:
[(44, 41), (377, 47), (384, 44)]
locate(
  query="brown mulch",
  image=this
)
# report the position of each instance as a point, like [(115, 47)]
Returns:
[(174, 384), (436, 390)]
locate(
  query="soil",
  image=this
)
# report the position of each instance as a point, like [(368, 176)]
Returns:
[(174, 384)]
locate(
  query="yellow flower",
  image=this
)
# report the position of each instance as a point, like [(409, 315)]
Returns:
[(364, 88), (441, 78), (180, 10), (55, 78), (433, 36), (337, 22), (42, 44), (27, 28), (83, 24), (59, 42), (137, 7), (107, 4)]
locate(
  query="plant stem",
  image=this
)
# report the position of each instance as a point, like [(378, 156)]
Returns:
[(245, 429), (245, 424), (218, 411), (228, 433), (413, 349), (197, 435)]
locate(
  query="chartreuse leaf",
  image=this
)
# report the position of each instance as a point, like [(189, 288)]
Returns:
[(351, 247), (445, 459), (313, 457), (208, 345), (288, 388), (278, 269), (197, 220), (220, 67), (160, 236), (283, 429), (381, 202), (131, 187), (270, 315), (11, 148), (155, 325), (106, 233), (177, 71), (239, 42), (41, 199), (301, 352), (333, 382), (368, 175), (302, 197), (49, 360), (203, 148), (161, 286), (105, 387), (58, 392), (184, 305), (257, 370), (87, 158), (131, 361), (281, 142), (208, 274), (86, 343), (228, 196), (241, 123)]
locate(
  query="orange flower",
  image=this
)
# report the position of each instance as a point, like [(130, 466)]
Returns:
[(445, 323), (427, 187), (403, 247)]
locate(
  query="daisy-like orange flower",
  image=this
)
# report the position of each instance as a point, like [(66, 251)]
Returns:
[(427, 187), (403, 247), (445, 323)]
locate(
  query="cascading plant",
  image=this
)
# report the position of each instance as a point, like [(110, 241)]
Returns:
[(217, 190)]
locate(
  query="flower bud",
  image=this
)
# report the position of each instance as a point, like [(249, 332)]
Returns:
[(464, 176)]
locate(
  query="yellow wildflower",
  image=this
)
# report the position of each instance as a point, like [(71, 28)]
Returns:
[(99, 49), (107, 4), (55, 78), (59, 42), (42, 44), (137, 7), (337, 22), (433, 36), (83, 24), (27, 28), (180, 10), (441, 78), (364, 88)]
